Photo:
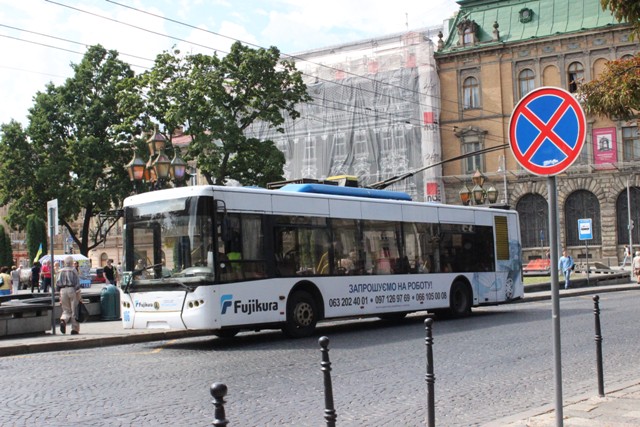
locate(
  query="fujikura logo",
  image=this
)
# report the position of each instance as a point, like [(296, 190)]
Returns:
[(246, 307)]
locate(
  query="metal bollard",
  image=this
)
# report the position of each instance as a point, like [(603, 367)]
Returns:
[(598, 339), (329, 411), (219, 391), (430, 377)]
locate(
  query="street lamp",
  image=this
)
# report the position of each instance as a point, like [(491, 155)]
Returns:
[(478, 194), (160, 169)]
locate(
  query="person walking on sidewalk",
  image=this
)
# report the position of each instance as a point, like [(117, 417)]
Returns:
[(5, 281), (68, 284), (565, 265), (45, 272), (635, 265), (627, 255), (15, 278), (35, 276), (110, 272)]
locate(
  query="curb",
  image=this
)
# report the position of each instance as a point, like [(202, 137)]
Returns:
[(84, 343)]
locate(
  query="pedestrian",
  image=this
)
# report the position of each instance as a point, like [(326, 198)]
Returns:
[(45, 272), (110, 272), (35, 276), (5, 281), (15, 278), (565, 265), (68, 284), (635, 264), (627, 255)]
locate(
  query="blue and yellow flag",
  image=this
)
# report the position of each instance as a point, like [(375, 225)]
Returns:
[(37, 257)]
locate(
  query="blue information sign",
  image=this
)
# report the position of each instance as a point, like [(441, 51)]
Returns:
[(584, 229)]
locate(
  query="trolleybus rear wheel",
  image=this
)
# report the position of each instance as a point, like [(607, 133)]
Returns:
[(226, 333), (459, 300)]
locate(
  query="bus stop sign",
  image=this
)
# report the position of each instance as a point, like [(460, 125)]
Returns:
[(547, 131), (584, 229)]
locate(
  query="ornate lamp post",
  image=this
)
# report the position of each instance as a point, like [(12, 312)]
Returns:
[(160, 169), (478, 194)]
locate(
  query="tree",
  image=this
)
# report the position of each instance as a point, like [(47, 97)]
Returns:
[(624, 10), (6, 253), (36, 231), (616, 92), (218, 99), (68, 150)]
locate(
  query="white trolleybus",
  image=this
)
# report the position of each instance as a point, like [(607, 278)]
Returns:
[(230, 259)]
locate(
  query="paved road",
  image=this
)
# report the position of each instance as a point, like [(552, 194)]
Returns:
[(491, 365)]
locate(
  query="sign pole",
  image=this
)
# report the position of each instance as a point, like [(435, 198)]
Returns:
[(547, 131), (555, 297), (586, 249), (52, 219)]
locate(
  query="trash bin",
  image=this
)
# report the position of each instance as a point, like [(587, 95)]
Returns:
[(110, 303)]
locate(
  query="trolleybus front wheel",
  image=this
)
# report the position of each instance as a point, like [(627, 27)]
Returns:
[(302, 315)]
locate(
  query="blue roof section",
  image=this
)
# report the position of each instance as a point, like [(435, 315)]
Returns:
[(550, 17), (335, 190)]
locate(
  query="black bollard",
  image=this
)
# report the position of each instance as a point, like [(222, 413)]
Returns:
[(598, 339), (329, 411), (430, 377), (219, 391)]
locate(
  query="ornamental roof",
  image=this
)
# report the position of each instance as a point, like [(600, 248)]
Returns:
[(522, 20)]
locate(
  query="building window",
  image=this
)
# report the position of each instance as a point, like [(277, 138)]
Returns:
[(467, 33), (630, 144), (471, 93), (575, 74), (525, 82), (581, 204), (533, 210), (622, 216), (471, 140), (468, 36)]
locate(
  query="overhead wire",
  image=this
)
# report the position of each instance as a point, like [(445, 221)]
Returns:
[(295, 57), (350, 107), (255, 45)]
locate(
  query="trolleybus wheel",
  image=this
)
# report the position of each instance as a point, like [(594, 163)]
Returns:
[(226, 333), (302, 315), (393, 317), (459, 300)]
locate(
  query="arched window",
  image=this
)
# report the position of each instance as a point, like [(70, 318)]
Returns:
[(471, 93), (622, 216), (103, 259), (534, 220), (581, 204), (525, 82), (575, 74)]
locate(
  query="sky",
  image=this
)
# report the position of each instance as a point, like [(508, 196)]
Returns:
[(41, 38)]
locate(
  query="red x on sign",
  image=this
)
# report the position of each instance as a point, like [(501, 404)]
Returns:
[(547, 131)]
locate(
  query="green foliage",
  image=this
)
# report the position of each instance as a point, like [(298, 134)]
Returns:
[(36, 231), (219, 98), (624, 10), (68, 150), (616, 92), (6, 253)]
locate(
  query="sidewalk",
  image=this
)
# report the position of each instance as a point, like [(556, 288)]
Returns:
[(620, 407)]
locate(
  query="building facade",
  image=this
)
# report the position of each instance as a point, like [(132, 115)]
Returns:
[(495, 53), (374, 114)]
